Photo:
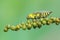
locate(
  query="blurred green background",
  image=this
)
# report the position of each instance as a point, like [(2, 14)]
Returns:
[(15, 11)]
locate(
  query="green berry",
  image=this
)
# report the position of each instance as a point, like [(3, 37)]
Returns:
[(29, 26), (39, 24), (41, 19), (48, 23), (20, 25), (17, 28), (43, 22), (24, 27), (8, 26), (34, 25), (5, 29), (57, 23), (13, 28)]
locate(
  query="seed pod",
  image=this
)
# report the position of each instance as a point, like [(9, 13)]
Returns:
[(5, 29), (17, 28), (48, 22), (39, 24), (43, 22), (53, 19), (13, 28), (29, 26), (28, 21), (34, 24), (7, 26), (57, 21), (23, 26), (34, 20), (46, 19), (20, 25), (41, 19)]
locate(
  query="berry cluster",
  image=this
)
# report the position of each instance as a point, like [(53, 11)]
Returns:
[(34, 23)]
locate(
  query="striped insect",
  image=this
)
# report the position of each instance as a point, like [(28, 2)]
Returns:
[(38, 15)]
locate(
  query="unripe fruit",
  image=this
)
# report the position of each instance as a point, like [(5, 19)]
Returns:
[(13, 28), (5, 29), (17, 27)]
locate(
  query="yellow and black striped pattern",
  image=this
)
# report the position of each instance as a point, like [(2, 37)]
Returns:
[(38, 15), (39, 19)]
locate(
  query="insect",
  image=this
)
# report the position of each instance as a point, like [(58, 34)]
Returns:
[(41, 20), (38, 15)]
